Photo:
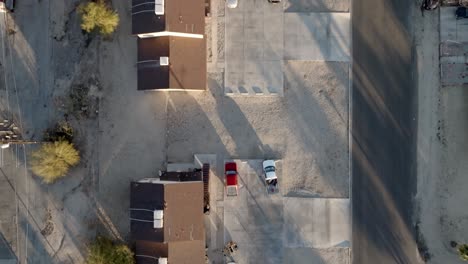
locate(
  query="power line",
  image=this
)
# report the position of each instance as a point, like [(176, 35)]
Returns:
[(6, 143), (36, 224), (27, 201), (4, 60)]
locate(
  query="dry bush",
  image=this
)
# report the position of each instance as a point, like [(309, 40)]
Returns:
[(104, 251), (98, 16), (463, 251), (53, 160)]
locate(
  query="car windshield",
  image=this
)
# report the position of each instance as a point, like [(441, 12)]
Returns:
[(270, 169), (231, 172), (272, 182)]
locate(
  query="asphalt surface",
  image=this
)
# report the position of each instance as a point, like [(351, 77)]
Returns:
[(384, 132)]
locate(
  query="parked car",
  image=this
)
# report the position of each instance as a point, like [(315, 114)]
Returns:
[(271, 179), (274, 1), (230, 172), (231, 3)]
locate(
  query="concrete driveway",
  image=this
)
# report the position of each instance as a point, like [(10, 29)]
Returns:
[(256, 44), (317, 36), (272, 228), (254, 49)]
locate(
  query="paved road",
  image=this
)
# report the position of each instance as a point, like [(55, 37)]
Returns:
[(384, 128)]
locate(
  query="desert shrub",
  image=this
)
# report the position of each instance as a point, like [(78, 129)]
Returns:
[(53, 160), (104, 251), (463, 251), (62, 131), (98, 16)]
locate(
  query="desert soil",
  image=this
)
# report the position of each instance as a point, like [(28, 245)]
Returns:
[(442, 152)]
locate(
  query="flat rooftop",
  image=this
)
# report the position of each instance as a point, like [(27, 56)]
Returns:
[(182, 16), (182, 205), (175, 252), (187, 63)]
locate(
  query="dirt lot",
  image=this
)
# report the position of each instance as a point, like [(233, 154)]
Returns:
[(442, 152), (310, 121), (124, 134)]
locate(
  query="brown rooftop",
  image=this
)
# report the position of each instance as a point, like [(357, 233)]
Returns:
[(187, 63), (184, 252), (182, 203), (182, 16)]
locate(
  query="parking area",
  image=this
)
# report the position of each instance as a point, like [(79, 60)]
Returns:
[(254, 49), (317, 36), (257, 47), (276, 229)]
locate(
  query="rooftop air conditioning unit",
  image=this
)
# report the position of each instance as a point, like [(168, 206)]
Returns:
[(158, 223), (159, 7), (162, 261), (158, 216), (164, 61)]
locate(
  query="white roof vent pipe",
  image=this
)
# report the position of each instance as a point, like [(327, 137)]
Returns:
[(159, 7), (163, 61)]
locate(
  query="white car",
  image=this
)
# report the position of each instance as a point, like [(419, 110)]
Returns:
[(231, 3), (271, 180)]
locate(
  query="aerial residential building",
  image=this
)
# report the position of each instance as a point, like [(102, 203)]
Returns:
[(166, 221), (171, 44)]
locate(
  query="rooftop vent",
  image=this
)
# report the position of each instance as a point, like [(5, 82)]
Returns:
[(158, 218), (159, 7), (164, 61), (158, 214)]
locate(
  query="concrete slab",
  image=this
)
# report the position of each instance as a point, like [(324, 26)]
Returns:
[(451, 28), (201, 159), (254, 49), (270, 228), (453, 48), (316, 222), (317, 256), (254, 219), (317, 36), (322, 6), (454, 73)]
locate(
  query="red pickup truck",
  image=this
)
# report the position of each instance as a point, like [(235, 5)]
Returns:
[(230, 171)]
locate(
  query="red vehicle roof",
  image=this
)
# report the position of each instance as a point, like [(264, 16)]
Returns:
[(231, 179), (230, 166)]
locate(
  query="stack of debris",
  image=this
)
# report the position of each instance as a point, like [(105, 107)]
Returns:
[(9, 131)]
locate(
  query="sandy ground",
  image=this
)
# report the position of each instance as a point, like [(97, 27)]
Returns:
[(307, 128), (53, 223), (442, 152)]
